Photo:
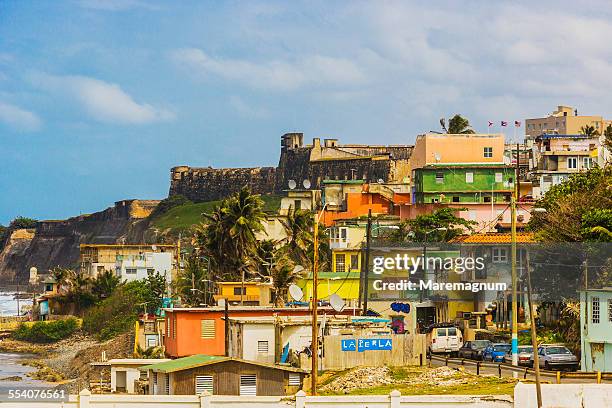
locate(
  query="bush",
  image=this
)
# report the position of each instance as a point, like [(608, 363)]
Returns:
[(46, 332), (168, 203)]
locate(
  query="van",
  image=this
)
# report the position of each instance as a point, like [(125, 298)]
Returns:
[(444, 340)]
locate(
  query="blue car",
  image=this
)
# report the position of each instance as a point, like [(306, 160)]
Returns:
[(496, 352)]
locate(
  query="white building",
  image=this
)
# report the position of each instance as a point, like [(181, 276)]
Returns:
[(136, 267), (124, 372)]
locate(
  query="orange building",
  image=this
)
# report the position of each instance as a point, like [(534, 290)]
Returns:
[(195, 330), (348, 199)]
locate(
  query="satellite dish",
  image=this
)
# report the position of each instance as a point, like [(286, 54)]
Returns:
[(437, 156), (336, 302), (306, 184), (292, 184), (296, 292), (381, 181), (154, 248)]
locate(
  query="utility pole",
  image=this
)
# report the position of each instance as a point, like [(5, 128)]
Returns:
[(514, 279), (315, 329), (364, 311), (534, 340)]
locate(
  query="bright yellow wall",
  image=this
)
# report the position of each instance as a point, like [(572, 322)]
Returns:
[(347, 260), (347, 289)]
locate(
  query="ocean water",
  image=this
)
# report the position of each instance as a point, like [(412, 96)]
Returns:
[(8, 305), (10, 366)]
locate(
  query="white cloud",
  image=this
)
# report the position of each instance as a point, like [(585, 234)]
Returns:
[(104, 101), (18, 118), (276, 74), (246, 109)]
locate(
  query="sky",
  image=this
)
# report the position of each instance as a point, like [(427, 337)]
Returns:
[(100, 98)]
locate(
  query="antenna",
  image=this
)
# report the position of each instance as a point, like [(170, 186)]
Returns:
[(336, 302), (295, 292), (292, 184), (306, 184)]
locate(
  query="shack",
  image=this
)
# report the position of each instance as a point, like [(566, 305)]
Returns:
[(222, 376)]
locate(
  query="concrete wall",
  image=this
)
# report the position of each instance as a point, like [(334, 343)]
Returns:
[(564, 395)]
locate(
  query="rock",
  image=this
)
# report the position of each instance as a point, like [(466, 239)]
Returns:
[(11, 378)]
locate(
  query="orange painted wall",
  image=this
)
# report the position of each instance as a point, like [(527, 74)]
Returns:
[(358, 204), (188, 341)]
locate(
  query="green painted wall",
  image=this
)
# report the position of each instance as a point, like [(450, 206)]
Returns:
[(455, 187)]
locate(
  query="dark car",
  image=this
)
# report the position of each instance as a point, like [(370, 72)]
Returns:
[(473, 349)]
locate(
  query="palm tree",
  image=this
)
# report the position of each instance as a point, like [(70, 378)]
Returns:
[(149, 352), (457, 125), (283, 273), (298, 226), (105, 284), (589, 131), (192, 283), (60, 275), (228, 234), (608, 138)]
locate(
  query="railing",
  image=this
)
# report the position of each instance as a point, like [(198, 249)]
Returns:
[(557, 376)]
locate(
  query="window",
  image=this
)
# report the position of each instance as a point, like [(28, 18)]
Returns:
[(455, 199), (595, 309), (340, 267), (469, 177), (294, 379), (499, 177), (174, 327), (500, 255), (452, 331), (488, 152), (439, 178), (572, 162), (610, 310), (168, 326), (248, 384), (167, 384), (343, 234), (154, 378), (239, 290), (203, 383), (130, 271), (150, 271), (354, 262), (486, 199), (297, 204), (262, 347), (207, 329), (586, 163)]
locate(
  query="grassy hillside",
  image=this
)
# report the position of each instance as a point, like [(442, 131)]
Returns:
[(184, 216)]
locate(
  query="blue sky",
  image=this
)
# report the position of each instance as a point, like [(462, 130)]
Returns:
[(99, 99)]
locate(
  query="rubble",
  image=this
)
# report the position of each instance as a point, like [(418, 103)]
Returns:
[(360, 377)]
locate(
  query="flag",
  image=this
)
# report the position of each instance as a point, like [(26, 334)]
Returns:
[(517, 123), (490, 123), (504, 123)]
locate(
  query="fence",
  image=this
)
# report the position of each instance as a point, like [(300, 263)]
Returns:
[(501, 369), (407, 349), (553, 395)]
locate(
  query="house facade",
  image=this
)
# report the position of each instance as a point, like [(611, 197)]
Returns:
[(97, 258), (596, 329)]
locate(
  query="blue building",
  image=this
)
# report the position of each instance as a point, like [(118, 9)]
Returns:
[(596, 329)]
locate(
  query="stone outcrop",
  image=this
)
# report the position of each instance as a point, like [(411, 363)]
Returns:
[(298, 162), (56, 242)]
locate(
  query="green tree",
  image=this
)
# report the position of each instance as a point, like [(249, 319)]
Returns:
[(440, 226), (589, 130), (22, 222), (104, 284), (298, 226), (79, 290), (192, 284), (283, 273), (574, 209), (457, 125), (228, 235), (607, 142)]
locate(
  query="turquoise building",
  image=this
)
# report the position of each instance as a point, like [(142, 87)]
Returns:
[(596, 329)]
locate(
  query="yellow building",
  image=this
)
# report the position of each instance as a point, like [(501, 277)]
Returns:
[(345, 285), (564, 121), (247, 293), (97, 258)]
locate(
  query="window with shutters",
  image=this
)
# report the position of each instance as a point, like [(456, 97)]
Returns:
[(488, 152), (354, 262), (469, 177), (595, 309), (174, 327), (207, 329), (154, 378), (204, 383), (340, 266), (610, 310), (167, 384), (439, 178), (262, 347), (248, 384), (294, 379)]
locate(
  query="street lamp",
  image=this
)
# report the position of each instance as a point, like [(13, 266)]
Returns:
[(315, 300)]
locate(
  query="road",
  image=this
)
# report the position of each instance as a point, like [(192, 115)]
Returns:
[(545, 376)]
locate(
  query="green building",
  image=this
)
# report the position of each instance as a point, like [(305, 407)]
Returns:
[(463, 183)]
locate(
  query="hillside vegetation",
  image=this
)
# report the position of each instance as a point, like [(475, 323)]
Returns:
[(182, 217)]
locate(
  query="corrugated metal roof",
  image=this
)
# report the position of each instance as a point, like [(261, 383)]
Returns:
[(497, 238), (199, 360)]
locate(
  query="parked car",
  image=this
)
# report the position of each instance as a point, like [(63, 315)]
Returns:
[(496, 352), (444, 339), (556, 357), (473, 349), (525, 356)]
